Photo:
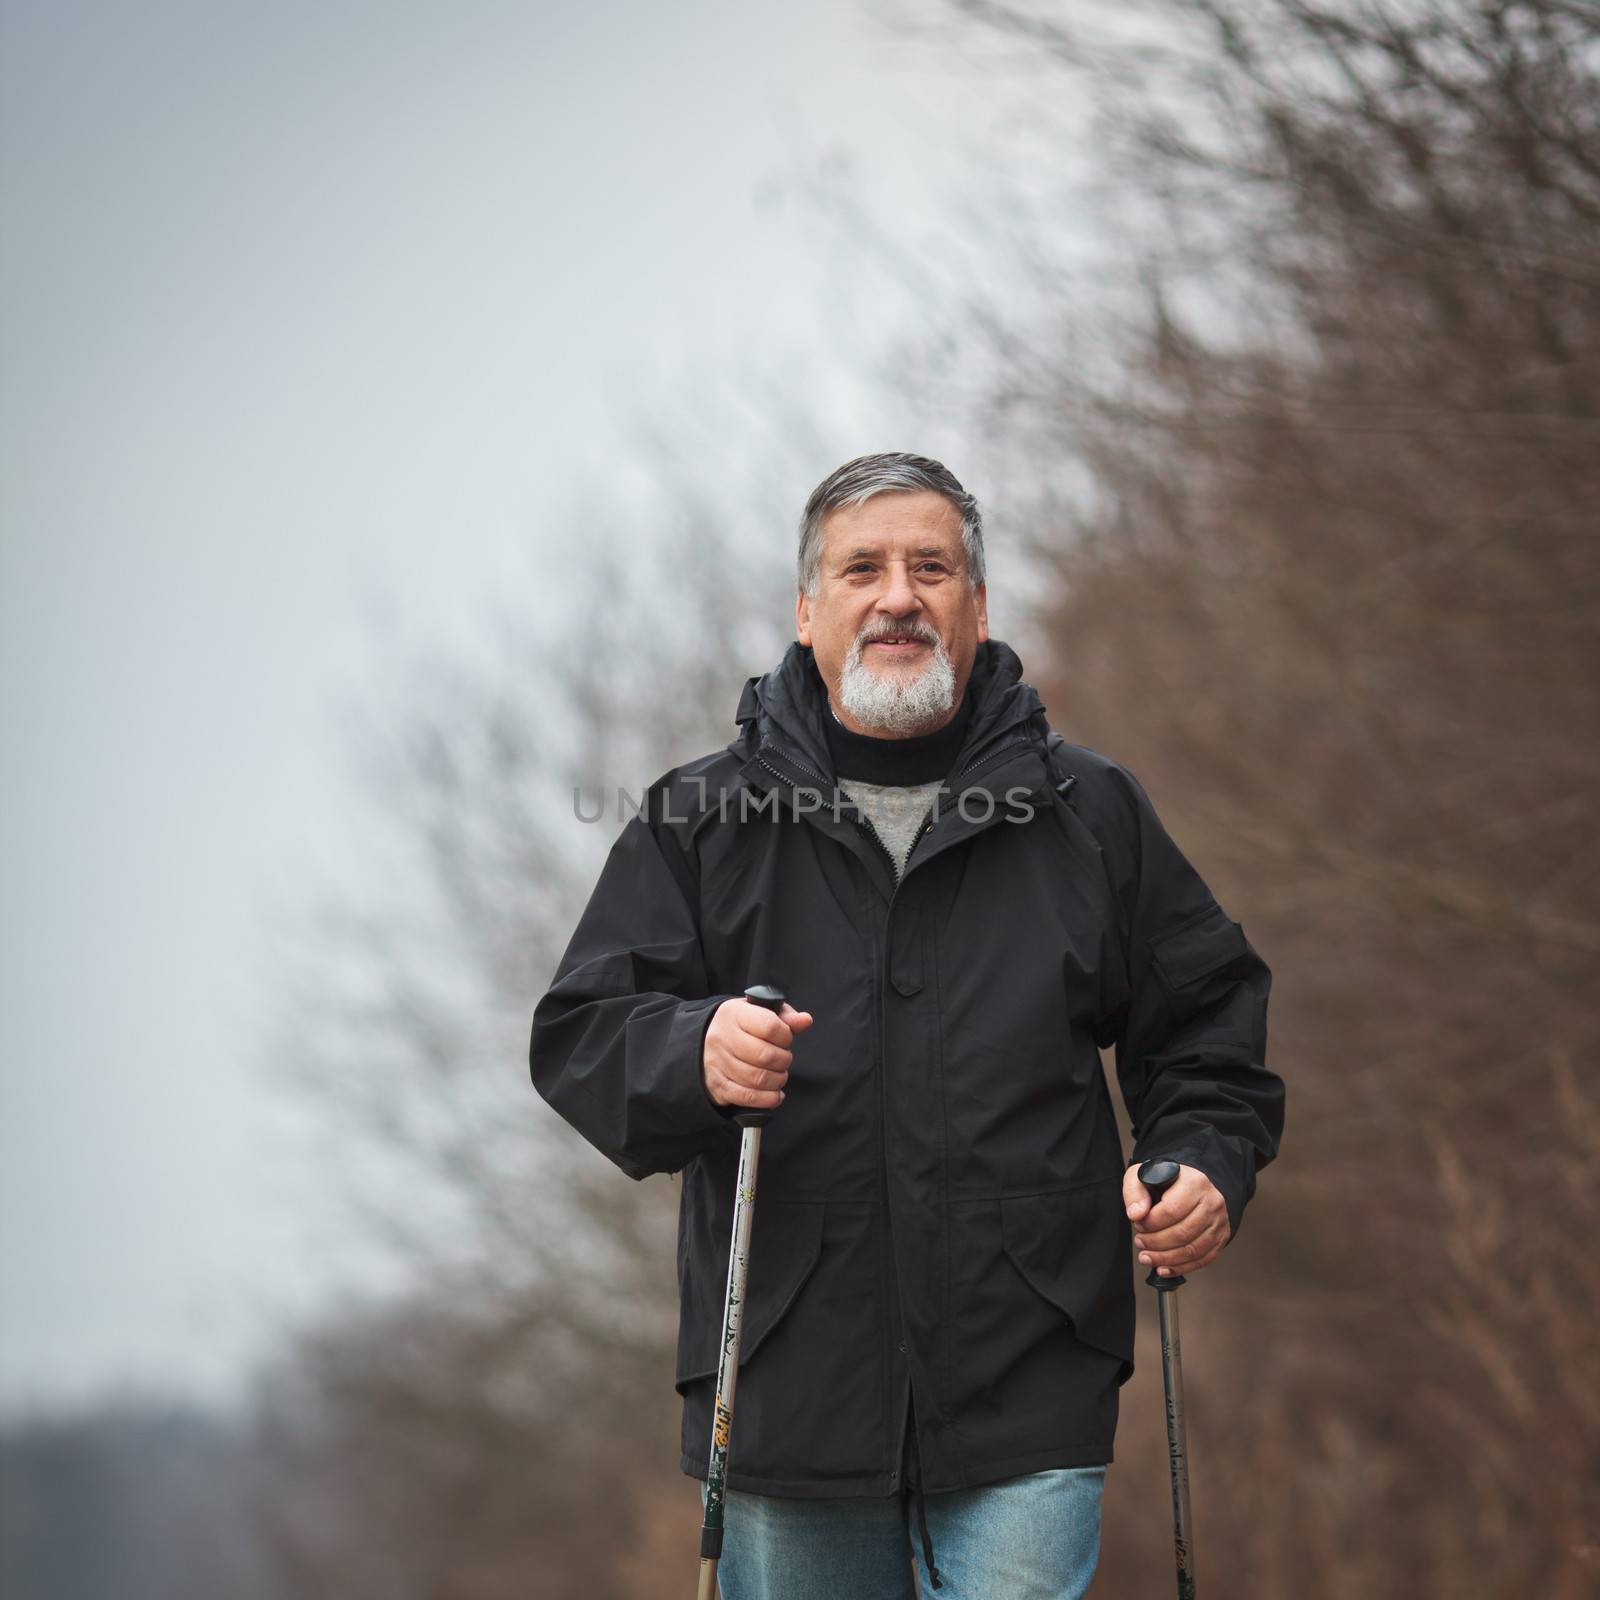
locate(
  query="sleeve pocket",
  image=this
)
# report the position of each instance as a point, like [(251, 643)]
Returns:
[(1198, 949)]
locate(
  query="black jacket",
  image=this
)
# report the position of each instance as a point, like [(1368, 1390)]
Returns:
[(939, 1242)]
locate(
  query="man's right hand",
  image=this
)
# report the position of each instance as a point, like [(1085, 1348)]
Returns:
[(746, 1058)]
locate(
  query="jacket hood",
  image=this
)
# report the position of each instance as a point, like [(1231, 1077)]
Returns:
[(788, 707)]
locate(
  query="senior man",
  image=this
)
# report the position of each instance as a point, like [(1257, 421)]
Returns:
[(964, 911)]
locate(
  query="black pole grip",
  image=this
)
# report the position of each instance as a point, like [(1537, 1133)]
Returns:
[(1158, 1176), (761, 994)]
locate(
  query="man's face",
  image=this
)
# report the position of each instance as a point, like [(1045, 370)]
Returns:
[(894, 625)]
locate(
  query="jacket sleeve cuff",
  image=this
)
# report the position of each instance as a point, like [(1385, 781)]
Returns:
[(695, 1019)]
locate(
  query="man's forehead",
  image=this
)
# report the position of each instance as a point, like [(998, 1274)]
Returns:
[(896, 507), (918, 524)]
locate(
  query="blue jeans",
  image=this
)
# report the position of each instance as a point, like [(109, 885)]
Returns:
[(1030, 1538)]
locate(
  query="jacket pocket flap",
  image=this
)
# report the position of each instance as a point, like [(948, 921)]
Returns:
[(1073, 1248), (785, 1246), (1209, 942)]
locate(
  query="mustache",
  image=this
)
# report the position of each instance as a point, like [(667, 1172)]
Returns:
[(889, 629)]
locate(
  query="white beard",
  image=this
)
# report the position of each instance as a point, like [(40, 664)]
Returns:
[(896, 707)]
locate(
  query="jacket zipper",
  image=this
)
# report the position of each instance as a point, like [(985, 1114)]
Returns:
[(865, 825), (761, 761)]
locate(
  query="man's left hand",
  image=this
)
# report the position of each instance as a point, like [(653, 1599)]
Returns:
[(1186, 1231)]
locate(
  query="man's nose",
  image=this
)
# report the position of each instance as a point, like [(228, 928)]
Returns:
[(898, 598)]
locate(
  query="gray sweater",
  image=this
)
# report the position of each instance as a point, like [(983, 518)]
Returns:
[(896, 813)]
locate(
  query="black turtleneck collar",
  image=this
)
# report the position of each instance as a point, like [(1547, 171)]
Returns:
[(924, 759)]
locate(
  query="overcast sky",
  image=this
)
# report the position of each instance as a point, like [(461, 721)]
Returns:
[(307, 310)]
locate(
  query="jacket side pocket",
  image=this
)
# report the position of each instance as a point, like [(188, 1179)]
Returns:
[(1073, 1247), (785, 1246)]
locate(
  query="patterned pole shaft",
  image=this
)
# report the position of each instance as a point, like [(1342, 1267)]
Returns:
[(1156, 1176), (744, 1208)]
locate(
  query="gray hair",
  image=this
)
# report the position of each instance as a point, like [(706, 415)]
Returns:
[(857, 481)]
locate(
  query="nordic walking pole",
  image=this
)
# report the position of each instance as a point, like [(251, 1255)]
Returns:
[(744, 1207), (1157, 1177)]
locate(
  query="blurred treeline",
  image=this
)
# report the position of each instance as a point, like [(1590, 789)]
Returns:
[(1311, 492), (1335, 594)]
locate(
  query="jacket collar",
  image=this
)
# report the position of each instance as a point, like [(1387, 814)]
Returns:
[(786, 709)]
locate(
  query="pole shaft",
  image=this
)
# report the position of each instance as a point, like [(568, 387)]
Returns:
[(1177, 1451), (744, 1205), (744, 1208)]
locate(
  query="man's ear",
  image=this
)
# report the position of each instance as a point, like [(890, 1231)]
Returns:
[(802, 617), (981, 595)]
